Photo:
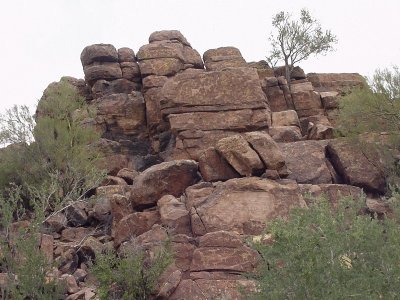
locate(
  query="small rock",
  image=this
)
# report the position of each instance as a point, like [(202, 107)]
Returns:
[(57, 222)]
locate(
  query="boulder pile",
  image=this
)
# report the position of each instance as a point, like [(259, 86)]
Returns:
[(204, 152)]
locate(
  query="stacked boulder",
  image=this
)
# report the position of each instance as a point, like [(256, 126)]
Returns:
[(204, 156)]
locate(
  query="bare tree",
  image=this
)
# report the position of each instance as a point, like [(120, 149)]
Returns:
[(296, 40)]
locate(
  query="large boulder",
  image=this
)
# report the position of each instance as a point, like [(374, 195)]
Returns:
[(168, 35), (267, 149), (242, 205), (306, 162), (222, 58), (174, 214), (359, 165), (99, 53), (213, 167), (168, 178), (198, 90), (238, 153), (223, 251), (338, 82)]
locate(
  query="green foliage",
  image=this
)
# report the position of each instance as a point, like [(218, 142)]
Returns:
[(130, 276), (296, 40), (59, 161), (323, 254), (373, 109), (21, 259)]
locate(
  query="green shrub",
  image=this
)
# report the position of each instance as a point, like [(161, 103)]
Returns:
[(133, 275), (323, 254)]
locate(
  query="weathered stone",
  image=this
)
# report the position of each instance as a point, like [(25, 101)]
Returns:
[(80, 275), (285, 134), (333, 192), (183, 248), (99, 53), (243, 205), (225, 239), (133, 225), (297, 72), (285, 118), (168, 284), (315, 120), (90, 247), (102, 70), (171, 178), (76, 234), (319, 132), (230, 89), (306, 161), (68, 262), (330, 100), (128, 175), (267, 149), (307, 103), (238, 259), (110, 190), (240, 155), (339, 82), (113, 180), (168, 35), (76, 214), (174, 214), (154, 81), (120, 207), (213, 167), (271, 174), (160, 67), (103, 87), (56, 222), (236, 120), (123, 114), (222, 58), (47, 246), (126, 54), (131, 72), (70, 284), (188, 288), (227, 289), (358, 165)]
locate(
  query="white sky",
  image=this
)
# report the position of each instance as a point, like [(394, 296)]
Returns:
[(41, 40)]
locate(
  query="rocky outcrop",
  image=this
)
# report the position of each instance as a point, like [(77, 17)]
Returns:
[(242, 205), (203, 155)]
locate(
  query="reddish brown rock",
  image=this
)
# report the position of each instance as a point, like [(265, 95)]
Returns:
[(358, 165), (56, 222), (133, 225), (171, 178), (222, 58), (285, 118), (307, 103), (76, 214), (123, 114), (306, 161), (99, 53), (72, 234), (267, 149), (154, 81), (297, 72), (339, 82), (120, 207), (47, 246), (70, 284), (227, 289), (131, 72), (168, 35), (188, 288), (275, 95), (330, 100), (285, 134), (240, 155), (243, 205), (168, 284), (225, 239), (183, 247), (102, 70), (319, 132), (230, 89), (114, 180), (240, 259), (128, 175), (126, 54), (213, 167), (103, 87), (160, 67), (236, 120), (333, 192), (174, 214)]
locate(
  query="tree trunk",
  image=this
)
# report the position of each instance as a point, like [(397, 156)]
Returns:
[(289, 102)]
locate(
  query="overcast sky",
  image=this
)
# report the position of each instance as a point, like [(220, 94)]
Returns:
[(41, 40)]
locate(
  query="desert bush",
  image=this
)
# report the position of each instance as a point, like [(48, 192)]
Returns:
[(131, 275), (320, 253)]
